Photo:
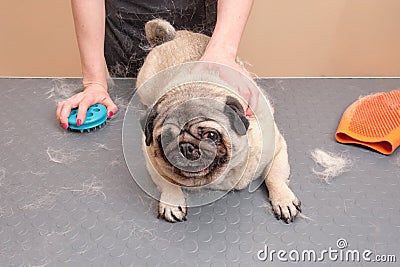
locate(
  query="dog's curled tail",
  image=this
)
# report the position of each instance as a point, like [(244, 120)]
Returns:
[(159, 31)]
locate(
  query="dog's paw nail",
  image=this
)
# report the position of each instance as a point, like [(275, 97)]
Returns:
[(298, 206)]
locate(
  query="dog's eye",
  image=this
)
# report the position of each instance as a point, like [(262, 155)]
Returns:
[(210, 135)]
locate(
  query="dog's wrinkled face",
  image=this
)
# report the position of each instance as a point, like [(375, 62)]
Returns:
[(195, 150), (192, 139)]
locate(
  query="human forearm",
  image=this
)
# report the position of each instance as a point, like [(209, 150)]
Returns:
[(231, 21), (89, 19), (222, 49)]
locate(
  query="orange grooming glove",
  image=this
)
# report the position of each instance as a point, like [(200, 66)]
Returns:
[(372, 121)]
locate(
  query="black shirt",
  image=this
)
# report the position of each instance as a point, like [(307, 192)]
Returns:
[(125, 42)]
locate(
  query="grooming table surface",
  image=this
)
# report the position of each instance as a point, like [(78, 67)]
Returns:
[(68, 199)]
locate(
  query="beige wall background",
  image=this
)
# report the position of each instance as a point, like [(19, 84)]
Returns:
[(283, 38)]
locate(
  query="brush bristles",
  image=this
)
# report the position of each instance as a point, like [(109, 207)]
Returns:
[(89, 129)]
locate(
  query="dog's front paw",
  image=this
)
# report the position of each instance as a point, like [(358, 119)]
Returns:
[(172, 210), (285, 204), (172, 213)]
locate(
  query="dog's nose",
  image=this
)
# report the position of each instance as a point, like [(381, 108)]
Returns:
[(189, 151)]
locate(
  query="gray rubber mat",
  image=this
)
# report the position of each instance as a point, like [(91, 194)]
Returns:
[(68, 199)]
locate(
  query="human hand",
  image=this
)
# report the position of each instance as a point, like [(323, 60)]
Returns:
[(241, 80), (93, 93)]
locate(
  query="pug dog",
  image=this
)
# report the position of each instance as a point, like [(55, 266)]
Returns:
[(197, 135)]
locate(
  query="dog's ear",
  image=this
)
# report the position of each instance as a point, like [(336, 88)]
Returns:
[(234, 111), (148, 125)]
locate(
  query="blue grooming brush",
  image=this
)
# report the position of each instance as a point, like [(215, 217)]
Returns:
[(96, 117)]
